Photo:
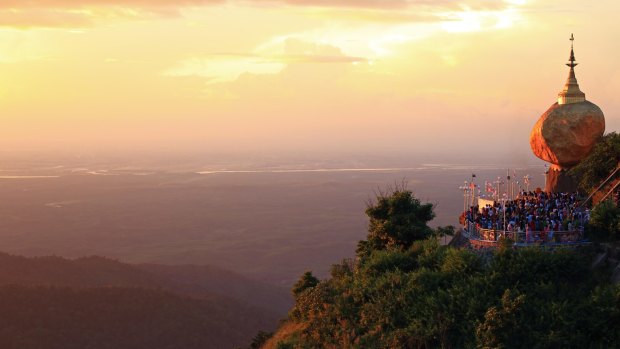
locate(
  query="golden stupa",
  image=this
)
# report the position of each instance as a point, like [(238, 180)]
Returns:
[(566, 133)]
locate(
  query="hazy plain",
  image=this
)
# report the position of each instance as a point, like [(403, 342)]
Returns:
[(270, 221)]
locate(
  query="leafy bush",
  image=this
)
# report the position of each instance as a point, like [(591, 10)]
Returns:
[(524, 298), (412, 293), (305, 282), (599, 164), (605, 221), (396, 220)]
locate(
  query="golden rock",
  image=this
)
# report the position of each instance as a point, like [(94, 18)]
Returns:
[(566, 133)]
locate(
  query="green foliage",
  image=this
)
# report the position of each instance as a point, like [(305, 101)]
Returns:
[(116, 317), (599, 164), (97, 303), (605, 221), (345, 268), (405, 292), (305, 282), (433, 296), (380, 262), (448, 230), (397, 219), (260, 339), (501, 325)]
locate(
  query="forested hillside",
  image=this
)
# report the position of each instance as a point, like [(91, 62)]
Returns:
[(95, 302), (197, 279), (114, 318), (192, 280), (405, 290)]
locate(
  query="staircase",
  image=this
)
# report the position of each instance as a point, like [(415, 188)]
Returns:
[(606, 188)]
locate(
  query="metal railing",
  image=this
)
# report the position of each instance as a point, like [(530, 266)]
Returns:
[(530, 237), (611, 191), (603, 183)]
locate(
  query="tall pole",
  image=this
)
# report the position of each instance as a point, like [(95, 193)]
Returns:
[(508, 184), (518, 188), (526, 180), (466, 195), (498, 182), (512, 184), (473, 189), (504, 215), (464, 188)]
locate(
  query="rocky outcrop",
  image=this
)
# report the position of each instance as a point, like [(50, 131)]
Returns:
[(559, 181), (566, 133)]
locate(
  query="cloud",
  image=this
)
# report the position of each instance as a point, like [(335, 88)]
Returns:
[(229, 67), (489, 4), (225, 68), (266, 60), (83, 3), (81, 13), (43, 18), (177, 4), (397, 4)]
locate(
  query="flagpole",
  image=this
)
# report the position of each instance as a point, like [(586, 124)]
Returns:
[(464, 188), (473, 189), (497, 192), (504, 216)]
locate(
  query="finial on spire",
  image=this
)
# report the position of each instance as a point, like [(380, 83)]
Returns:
[(572, 63), (571, 92)]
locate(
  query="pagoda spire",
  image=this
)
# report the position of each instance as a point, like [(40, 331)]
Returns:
[(571, 92), (572, 63)]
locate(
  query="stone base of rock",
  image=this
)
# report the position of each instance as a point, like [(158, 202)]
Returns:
[(558, 181)]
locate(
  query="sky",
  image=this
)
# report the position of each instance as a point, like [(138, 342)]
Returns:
[(297, 76)]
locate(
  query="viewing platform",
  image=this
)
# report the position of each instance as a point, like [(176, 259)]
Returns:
[(480, 238), (525, 218)]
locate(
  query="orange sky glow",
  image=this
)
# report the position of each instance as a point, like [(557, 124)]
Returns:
[(297, 75)]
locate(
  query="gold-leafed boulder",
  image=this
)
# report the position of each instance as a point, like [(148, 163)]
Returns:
[(566, 133)]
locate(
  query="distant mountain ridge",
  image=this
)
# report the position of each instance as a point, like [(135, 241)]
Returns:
[(94, 271), (43, 317), (96, 302), (195, 279)]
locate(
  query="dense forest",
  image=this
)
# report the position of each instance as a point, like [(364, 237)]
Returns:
[(111, 317), (192, 280), (95, 302), (604, 158), (405, 290)]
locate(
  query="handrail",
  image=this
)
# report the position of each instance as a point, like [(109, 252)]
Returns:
[(610, 191), (530, 232), (493, 235), (601, 185), (521, 232)]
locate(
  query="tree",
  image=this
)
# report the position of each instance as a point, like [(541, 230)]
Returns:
[(397, 219), (434, 296), (306, 281), (260, 339), (501, 327), (442, 232), (405, 293), (605, 221), (599, 164)]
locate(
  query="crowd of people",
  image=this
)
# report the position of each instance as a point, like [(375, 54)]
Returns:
[(532, 216)]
